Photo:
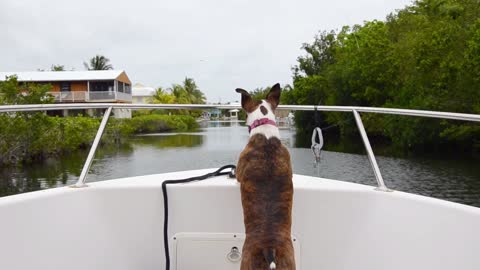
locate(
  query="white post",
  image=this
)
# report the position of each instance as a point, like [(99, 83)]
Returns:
[(115, 88)]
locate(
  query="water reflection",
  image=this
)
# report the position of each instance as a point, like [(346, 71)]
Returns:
[(51, 173), (220, 143), (169, 140)]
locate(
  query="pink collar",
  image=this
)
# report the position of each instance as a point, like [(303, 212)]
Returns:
[(261, 122)]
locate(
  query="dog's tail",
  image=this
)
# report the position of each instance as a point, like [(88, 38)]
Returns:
[(269, 254)]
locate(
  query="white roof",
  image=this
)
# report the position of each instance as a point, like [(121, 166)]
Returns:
[(140, 90), (50, 76)]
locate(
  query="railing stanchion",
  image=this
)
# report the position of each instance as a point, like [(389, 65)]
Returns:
[(93, 149), (371, 156)]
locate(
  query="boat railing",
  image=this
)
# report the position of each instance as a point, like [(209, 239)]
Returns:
[(355, 110)]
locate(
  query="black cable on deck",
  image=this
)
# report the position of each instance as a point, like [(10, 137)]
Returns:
[(218, 172)]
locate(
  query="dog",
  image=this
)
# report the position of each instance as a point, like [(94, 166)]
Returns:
[(264, 172)]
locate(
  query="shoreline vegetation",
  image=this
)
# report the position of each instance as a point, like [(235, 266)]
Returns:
[(27, 137), (425, 56), (30, 137)]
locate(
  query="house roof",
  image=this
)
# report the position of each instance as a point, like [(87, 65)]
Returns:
[(52, 76), (140, 90)]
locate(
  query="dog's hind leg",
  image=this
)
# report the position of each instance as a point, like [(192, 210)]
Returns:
[(247, 262)]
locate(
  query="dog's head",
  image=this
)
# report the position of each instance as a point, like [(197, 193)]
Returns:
[(257, 109)]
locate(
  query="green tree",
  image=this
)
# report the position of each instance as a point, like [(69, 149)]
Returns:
[(179, 93), (424, 56), (187, 92), (19, 132), (57, 68), (319, 55), (192, 93), (98, 62), (13, 92), (162, 96)]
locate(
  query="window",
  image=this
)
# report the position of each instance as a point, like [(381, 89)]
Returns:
[(120, 86), (101, 86), (128, 89), (65, 87)]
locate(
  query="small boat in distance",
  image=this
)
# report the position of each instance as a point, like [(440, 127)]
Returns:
[(118, 224)]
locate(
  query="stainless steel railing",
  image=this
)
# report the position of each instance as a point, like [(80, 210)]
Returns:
[(355, 110)]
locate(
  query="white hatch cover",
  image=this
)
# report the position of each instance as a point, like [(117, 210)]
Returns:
[(207, 251)]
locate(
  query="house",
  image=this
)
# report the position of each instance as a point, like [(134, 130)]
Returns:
[(82, 86), (212, 114), (142, 94), (234, 112)]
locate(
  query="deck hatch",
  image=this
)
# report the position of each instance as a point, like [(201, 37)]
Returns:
[(202, 251)]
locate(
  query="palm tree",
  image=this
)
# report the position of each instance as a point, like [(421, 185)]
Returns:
[(192, 93), (180, 95), (188, 93), (99, 62), (161, 96)]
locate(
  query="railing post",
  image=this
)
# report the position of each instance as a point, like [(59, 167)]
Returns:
[(93, 149), (371, 156)]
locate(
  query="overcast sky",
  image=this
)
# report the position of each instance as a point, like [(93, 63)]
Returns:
[(221, 44)]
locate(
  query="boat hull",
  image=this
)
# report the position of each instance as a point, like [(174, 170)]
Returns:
[(118, 224)]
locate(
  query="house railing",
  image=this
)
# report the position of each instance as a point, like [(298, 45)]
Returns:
[(104, 95), (92, 96), (124, 96), (74, 96), (355, 110)]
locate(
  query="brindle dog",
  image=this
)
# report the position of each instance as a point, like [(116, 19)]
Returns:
[(265, 175)]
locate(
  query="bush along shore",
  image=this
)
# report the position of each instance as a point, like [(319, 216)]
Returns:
[(425, 56), (28, 137)]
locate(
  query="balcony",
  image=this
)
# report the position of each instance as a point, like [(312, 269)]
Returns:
[(92, 96)]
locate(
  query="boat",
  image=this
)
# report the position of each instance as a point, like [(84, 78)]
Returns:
[(119, 224)]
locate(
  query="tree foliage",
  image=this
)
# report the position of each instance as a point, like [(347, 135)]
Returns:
[(185, 93), (57, 68), (163, 96), (12, 92), (98, 62), (425, 56), (260, 93)]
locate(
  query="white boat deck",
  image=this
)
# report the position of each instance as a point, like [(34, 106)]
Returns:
[(118, 224)]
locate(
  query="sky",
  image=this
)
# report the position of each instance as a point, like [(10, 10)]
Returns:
[(222, 44)]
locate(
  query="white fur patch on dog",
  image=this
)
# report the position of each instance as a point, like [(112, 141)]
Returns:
[(267, 130), (273, 266)]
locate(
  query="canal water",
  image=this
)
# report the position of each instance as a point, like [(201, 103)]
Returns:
[(218, 144)]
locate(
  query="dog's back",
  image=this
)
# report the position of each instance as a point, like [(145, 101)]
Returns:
[(265, 173)]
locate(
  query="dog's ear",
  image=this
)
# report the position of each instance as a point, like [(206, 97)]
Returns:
[(273, 97), (247, 101)]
